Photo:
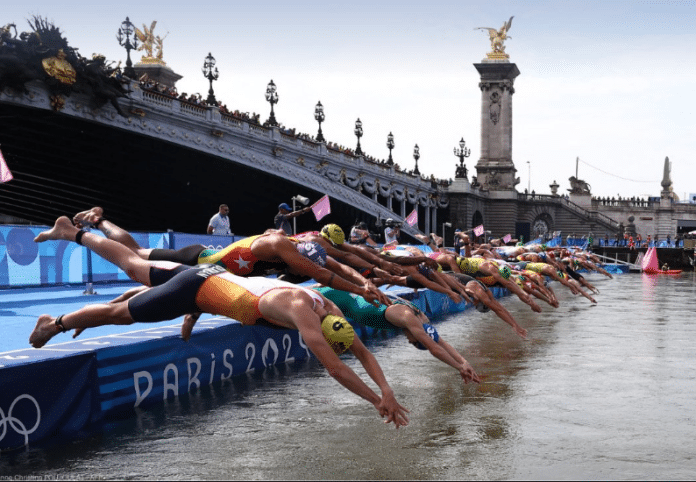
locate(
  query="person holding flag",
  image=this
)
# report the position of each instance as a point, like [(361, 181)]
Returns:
[(285, 213)]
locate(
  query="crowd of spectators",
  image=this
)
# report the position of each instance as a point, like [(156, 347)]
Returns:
[(196, 99), (619, 201)]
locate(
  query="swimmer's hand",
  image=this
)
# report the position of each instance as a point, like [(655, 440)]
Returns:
[(188, 324), (389, 407), (520, 331), (468, 374)]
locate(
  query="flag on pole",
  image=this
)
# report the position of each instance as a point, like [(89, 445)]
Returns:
[(412, 218), (322, 207), (5, 174), (507, 238), (478, 230)]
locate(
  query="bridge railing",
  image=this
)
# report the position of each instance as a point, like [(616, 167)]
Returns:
[(571, 206)]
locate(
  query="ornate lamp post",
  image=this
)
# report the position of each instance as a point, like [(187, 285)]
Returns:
[(358, 133), (210, 72), (416, 156), (319, 116), (462, 153), (390, 146), (272, 98), (125, 32)]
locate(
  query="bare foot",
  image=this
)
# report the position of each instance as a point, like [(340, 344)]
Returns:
[(86, 219), (63, 229), (187, 327), (44, 330)]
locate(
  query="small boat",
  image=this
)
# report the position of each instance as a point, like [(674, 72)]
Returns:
[(650, 264)]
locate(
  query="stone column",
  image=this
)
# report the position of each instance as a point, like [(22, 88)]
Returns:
[(495, 169), (427, 229)]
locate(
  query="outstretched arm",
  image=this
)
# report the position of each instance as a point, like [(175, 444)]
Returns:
[(388, 405), (292, 310)]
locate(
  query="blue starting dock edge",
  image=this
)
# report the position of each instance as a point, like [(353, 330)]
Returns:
[(67, 390)]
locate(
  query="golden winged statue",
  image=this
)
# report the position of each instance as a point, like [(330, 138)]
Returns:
[(147, 39), (498, 38)]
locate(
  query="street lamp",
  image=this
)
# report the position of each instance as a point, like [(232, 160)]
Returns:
[(390, 146), (416, 156), (210, 72), (529, 176), (445, 225), (272, 98), (319, 116), (358, 133), (302, 200), (125, 32), (462, 153)]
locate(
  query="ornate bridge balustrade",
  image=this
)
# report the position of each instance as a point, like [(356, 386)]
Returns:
[(354, 179)]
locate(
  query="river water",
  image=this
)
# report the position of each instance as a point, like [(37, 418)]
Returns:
[(596, 392)]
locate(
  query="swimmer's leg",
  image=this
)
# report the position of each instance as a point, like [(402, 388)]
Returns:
[(136, 268), (95, 218)]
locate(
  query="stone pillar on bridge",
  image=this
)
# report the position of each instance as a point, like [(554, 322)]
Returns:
[(495, 168)]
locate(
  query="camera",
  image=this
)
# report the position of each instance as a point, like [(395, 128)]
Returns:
[(390, 223)]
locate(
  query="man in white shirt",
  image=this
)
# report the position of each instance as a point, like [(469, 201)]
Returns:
[(220, 223), (392, 232)]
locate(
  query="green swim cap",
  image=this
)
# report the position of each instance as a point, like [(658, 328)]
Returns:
[(505, 272)]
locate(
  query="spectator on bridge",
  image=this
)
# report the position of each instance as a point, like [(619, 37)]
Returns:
[(669, 241), (648, 242), (219, 224)]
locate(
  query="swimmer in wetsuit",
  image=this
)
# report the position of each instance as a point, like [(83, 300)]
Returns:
[(247, 257), (401, 315), (211, 289)]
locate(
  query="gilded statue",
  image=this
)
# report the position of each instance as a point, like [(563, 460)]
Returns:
[(59, 68), (150, 42), (498, 38)]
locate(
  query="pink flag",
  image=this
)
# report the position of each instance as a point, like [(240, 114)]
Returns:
[(507, 238), (478, 230), (412, 218), (5, 174), (322, 207)]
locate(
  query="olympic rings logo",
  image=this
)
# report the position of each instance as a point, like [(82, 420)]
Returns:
[(17, 424)]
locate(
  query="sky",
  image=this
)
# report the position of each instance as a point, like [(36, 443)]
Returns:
[(607, 88)]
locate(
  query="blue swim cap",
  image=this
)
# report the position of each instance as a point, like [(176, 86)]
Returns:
[(313, 251), (432, 333)]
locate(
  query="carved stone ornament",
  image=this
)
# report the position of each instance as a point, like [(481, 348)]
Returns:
[(494, 107), (57, 102)]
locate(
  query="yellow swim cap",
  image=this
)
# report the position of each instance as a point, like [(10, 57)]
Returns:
[(338, 333), (333, 233)]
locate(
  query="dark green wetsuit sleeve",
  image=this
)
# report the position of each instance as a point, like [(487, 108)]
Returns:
[(358, 309)]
